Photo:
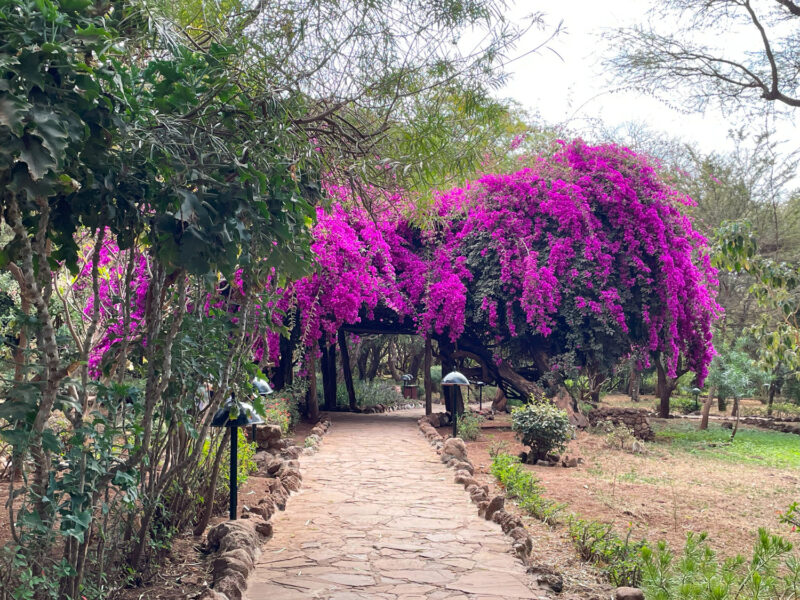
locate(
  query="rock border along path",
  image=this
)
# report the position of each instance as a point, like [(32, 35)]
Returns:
[(379, 517)]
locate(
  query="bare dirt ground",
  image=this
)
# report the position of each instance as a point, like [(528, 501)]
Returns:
[(661, 494)]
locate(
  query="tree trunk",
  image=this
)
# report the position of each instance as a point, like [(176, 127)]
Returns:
[(735, 412), (771, 398), (19, 359), (393, 360), (282, 375), (447, 366), (596, 379), (721, 403), (427, 375), (375, 352), (312, 405), (348, 375), (635, 384), (499, 402), (664, 391), (328, 368), (706, 409)]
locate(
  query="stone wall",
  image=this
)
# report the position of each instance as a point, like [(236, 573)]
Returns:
[(634, 418), (782, 425)]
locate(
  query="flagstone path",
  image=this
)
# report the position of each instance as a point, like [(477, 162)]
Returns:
[(379, 516)]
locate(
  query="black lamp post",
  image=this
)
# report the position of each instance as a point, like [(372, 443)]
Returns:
[(455, 378), (224, 417), (407, 379), (480, 385)]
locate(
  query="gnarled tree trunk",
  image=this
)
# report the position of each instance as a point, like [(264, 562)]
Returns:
[(348, 375), (427, 375)]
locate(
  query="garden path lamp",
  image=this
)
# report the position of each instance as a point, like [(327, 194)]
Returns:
[(263, 388), (454, 378), (480, 385), (696, 394), (234, 415), (409, 388)]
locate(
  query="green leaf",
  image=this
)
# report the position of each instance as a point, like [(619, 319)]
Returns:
[(36, 156), (51, 130), (12, 112)]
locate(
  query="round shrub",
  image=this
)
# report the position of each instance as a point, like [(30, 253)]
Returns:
[(542, 426)]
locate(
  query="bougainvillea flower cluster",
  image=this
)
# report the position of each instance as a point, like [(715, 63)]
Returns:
[(588, 239)]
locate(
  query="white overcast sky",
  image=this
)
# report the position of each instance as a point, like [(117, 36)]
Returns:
[(573, 87)]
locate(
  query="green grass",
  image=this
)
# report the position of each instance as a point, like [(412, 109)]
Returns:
[(751, 446)]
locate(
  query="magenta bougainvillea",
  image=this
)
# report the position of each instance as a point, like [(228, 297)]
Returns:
[(584, 250), (588, 238)]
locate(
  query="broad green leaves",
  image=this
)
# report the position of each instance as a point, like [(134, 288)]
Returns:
[(776, 287)]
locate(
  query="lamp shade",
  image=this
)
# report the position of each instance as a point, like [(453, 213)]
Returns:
[(262, 386), (455, 378), (247, 415)]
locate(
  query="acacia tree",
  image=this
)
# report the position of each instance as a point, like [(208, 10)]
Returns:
[(776, 287), (661, 60)]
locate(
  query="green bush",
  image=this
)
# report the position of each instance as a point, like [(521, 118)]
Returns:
[(521, 485), (791, 390), (683, 405), (246, 453), (542, 426), (618, 558), (648, 383), (618, 436), (436, 379), (469, 426), (290, 399), (773, 572), (369, 393)]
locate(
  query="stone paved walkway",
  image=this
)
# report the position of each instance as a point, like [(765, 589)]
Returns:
[(378, 516)]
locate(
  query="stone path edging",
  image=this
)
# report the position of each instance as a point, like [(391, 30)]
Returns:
[(453, 453), (238, 543)]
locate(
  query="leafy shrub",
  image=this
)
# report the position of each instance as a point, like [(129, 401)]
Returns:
[(521, 485), (290, 399), (619, 558), (276, 412), (733, 373), (469, 426), (791, 390), (648, 383), (370, 393), (779, 410), (680, 404), (772, 572), (246, 453), (436, 379), (542, 426), (792, 516), (784, 409), (619, 436)]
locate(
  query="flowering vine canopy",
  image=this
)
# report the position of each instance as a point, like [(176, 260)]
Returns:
[(584, 252), (586, 249)]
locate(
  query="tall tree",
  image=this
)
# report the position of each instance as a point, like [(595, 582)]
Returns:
[(734, 53)]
